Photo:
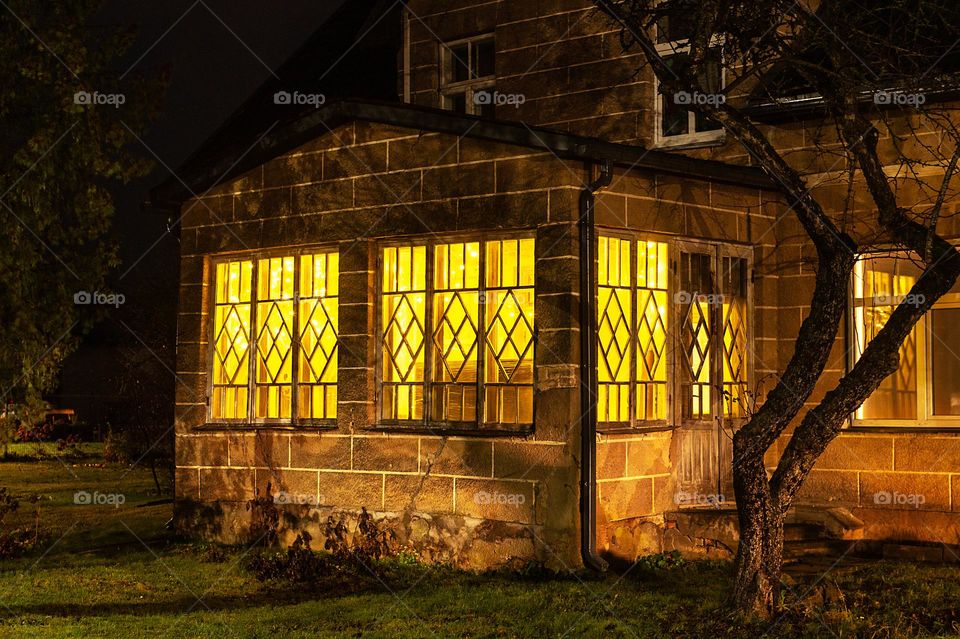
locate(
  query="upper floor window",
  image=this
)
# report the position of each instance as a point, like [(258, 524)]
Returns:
[(676, 123), (925, 389), (275, 339), (665, 332), (468, 75), (457, 333)]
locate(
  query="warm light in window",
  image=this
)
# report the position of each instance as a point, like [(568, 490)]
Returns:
[(231, 341), (318, 320)]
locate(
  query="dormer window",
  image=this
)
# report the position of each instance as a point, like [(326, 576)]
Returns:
[(468, 75), (677, 124)]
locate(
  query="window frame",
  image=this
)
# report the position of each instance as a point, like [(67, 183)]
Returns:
[(926, 420), (718, 250), (448, 89), (295, 422), (690, 139), (427, 423)]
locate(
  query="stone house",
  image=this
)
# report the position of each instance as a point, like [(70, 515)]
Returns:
[(503, 296)]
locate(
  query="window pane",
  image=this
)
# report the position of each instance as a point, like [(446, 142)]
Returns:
[(614, 321), (734, 317), (231, 340), (484, 58), (456, 322), (945, 360), (274, 377), (676, 21), (697, 330), (459, 63), (675, 119), (318, 321), (879, 285), (404, 313), (508, 352), (651, 330), (711, 79)]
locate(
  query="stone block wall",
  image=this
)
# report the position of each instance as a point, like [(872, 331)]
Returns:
[(478, 501)]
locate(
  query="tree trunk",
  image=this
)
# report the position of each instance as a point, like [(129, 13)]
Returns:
[(760, 553)]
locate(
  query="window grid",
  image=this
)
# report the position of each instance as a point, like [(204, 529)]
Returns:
[(467, 68), (318, 319), (257, 308), (479, 344)]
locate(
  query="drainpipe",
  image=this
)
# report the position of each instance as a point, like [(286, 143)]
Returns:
[(588, 373)]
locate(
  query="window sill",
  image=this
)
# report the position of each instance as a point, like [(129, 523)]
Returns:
[(248, 427), (926, 429), (685, 142), (653, 427), (453, 430)]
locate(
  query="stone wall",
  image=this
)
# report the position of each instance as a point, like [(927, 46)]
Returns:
[(348, 189)]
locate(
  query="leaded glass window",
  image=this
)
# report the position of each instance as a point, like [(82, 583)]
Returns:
[(275, 339), (472, 362), (632, 321)]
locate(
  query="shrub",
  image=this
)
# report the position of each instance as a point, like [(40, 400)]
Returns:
[(18, 541), (264, 519)]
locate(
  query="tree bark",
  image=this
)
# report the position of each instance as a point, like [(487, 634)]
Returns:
[(760, 553)]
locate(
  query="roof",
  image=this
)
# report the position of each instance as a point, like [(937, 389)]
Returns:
[(208, 170)]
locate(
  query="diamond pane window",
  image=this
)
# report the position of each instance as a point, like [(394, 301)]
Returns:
[(734, 322), (231, 340), (318, 326), (631, 331), (614, 332), (404, 332), (508, 352), (696, 297), (457, 337), (456, 321), (274, 362), (651, 331)]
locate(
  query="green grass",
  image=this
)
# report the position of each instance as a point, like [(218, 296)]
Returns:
[(114, 572)]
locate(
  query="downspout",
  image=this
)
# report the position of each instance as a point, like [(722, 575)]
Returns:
[(588, 372)]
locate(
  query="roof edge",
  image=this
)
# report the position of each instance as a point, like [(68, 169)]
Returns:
[(286, 137)]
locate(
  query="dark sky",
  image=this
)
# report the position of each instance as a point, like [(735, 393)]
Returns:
[(218, 52)]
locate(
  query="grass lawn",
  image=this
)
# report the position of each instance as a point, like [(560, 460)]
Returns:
[(113, 571)]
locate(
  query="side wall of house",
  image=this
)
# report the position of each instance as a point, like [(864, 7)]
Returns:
[(347, 190)]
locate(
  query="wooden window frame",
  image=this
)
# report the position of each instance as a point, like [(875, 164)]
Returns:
[(469, 87), (926, 420), (718, 251), (295, 421), (427, 424)]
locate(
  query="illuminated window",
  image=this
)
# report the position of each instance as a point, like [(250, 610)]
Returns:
[(265, 368), (473, 361), (631, 331), (231, 340), (925, 389), (713, 324)]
